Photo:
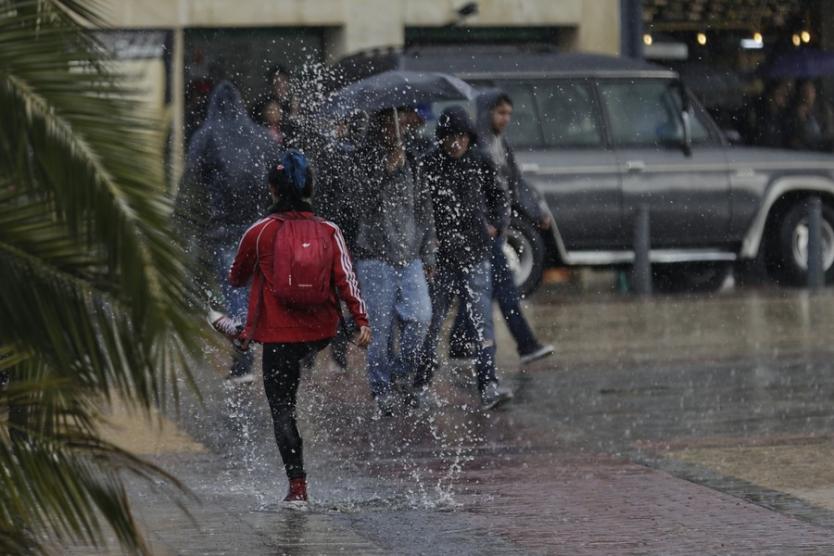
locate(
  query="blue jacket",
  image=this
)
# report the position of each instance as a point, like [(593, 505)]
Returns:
[(224, 185)]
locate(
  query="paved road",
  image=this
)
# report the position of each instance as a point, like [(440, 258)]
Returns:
[(681, 425)]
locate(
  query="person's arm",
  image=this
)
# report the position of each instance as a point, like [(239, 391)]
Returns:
[(527, 198), (425, 219), (246, 258), (345, 279), (497, 200)]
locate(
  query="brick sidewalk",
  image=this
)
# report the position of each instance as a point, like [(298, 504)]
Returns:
[(534, 504)]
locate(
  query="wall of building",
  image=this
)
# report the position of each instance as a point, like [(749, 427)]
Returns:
[(361, 24), (345, 27)]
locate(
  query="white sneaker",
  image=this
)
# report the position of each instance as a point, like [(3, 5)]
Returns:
[(537, 354), (241, 379), (224, 324)]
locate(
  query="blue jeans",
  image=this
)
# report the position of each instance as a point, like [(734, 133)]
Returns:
[(473, 286), (394, 296), (235, 300), (506, 293)]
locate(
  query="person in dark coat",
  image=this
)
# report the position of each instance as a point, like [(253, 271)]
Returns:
[(808, 121), (334, 199), (469, 209), (765, 121), (223, 191), (394, 247), (494, 115)]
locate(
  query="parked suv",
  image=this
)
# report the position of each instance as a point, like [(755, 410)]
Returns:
[(598, 137)]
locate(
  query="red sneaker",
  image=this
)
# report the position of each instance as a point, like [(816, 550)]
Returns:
[(298, 492)]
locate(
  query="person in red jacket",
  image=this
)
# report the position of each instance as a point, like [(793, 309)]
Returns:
[(291, 333)]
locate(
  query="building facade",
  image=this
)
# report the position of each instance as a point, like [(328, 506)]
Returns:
[(181, 47)]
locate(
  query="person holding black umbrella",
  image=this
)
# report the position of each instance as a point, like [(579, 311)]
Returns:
[(395, 247)]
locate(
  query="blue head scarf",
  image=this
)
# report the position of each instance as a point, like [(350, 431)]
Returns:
[(295, 165)]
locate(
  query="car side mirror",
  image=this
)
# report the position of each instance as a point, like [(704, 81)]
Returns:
[(686, 144)]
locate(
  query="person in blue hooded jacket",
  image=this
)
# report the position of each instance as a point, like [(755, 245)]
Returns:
[(223, 190), (494, 115)]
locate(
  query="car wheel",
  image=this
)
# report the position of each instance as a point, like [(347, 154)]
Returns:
[(524, 250), (787, 251), (689, 277)]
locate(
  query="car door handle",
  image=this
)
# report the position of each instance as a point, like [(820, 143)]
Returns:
[(635, 166)]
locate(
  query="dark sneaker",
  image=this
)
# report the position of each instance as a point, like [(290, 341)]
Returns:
[(465, 350), (427, 400), (385, 404), (539, 352), (297, 494), (494, 395), (338, 352)]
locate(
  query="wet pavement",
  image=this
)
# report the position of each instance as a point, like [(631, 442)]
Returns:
[(676, 425)]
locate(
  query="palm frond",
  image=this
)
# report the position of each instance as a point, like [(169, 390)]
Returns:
[(97, 290)]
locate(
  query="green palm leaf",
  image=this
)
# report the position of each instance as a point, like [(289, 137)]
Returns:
[(96, 290)]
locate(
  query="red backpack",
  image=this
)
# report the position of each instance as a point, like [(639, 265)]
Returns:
[(303, 262)]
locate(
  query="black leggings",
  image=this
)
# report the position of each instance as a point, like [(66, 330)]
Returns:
[(282, 369)]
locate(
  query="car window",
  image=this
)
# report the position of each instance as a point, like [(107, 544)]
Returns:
[(567, 114), (647, 112), (524, 129)]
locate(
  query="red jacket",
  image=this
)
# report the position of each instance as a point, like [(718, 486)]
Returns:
[(268, 321)]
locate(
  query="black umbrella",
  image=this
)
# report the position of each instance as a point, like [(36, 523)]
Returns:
[(397, 88)]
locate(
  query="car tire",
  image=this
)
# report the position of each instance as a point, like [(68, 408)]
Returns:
[(786, 251), (689, 277), (525, 254)]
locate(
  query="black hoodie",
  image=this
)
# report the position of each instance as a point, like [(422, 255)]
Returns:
[(465, 197)]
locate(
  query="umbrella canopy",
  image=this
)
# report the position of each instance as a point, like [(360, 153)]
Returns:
[(396, 88), (805, 63)]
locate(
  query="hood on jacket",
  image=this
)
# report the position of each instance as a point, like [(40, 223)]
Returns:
[(455, 121), (485, 102), (227, 162), (226, 105)]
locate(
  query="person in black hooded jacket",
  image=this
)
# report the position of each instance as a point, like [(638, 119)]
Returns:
[(494, 115), (469, 210)]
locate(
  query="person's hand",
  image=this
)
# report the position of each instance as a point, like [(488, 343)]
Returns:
[(545, 222), (363, 339), (429, 272), (492, 231)]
